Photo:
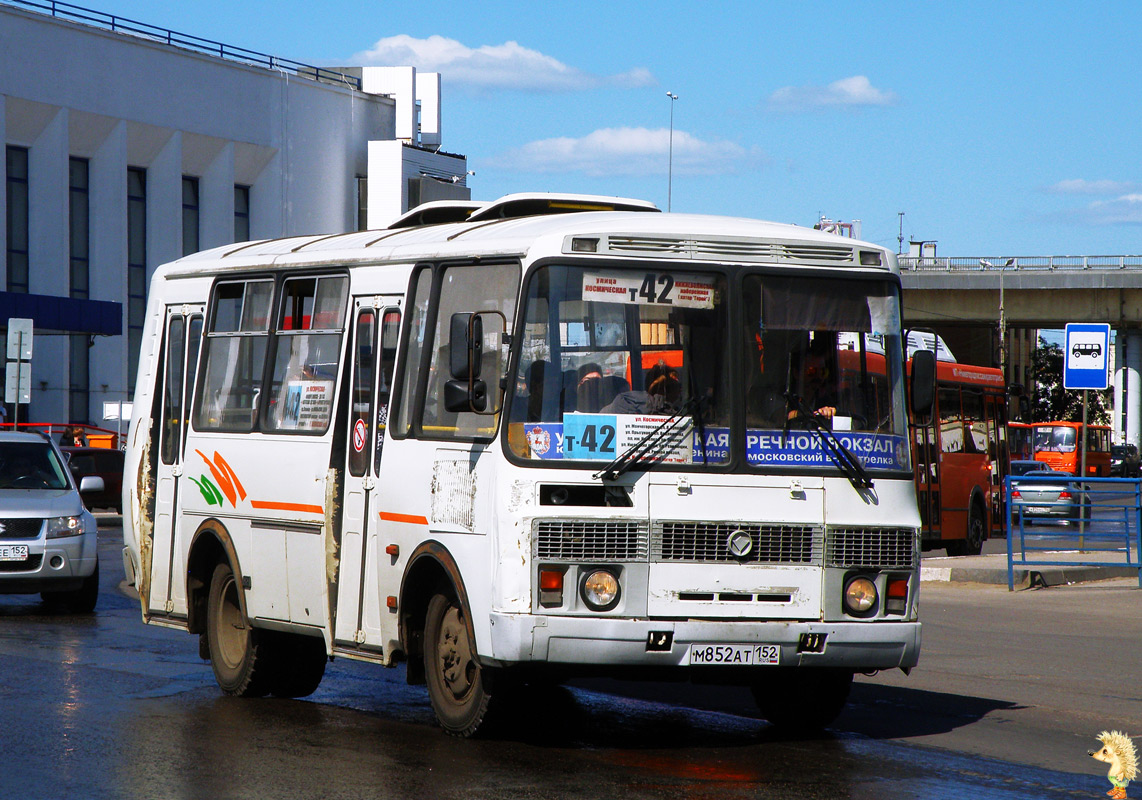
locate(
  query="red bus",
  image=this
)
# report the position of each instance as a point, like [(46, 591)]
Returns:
[(959, 454), (1056, 444), (961, 457)]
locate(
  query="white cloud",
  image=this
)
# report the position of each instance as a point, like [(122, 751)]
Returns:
[(1124, 210), (1080, 186), (626, 151), (504, 66), (851, 92)]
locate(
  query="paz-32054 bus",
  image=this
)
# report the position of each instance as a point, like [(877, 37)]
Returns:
[(545, 437)]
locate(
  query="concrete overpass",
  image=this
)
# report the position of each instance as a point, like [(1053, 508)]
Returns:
[(1038, 292)]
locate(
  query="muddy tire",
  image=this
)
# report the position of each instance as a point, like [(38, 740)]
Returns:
[(238, 654), (457, 685), (802, 700), (295, 664)]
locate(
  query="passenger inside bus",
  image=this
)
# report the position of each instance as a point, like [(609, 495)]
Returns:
[(662, 395)]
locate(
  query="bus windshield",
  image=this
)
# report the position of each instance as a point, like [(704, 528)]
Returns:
[(1055, 439), (610, 358)]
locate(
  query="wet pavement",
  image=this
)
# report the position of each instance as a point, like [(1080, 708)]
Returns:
[(103, 706)]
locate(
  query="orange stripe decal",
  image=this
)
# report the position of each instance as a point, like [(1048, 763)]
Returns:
[(268, 505), (412, 519)]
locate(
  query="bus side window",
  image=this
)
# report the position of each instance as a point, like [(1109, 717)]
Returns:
[(390, 331), (311, 324), (951, 421), (413, 352), (236, 344), (468, 288), (975, 430)]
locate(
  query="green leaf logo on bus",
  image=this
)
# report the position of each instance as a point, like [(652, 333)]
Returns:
[(228, 486)]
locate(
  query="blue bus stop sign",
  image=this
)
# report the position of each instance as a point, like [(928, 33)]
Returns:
[(1086, 355)]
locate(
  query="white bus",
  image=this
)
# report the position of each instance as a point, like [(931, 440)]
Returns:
[(505, 443)]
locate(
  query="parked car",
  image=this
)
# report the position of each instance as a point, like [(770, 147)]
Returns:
[(1125, 461), (1023, 467), (108, 465), (47, 537), (1045, 493)]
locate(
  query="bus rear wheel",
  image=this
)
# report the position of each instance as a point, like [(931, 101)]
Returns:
[(457, 684), (972, 543), (803, 699), (238, 654)]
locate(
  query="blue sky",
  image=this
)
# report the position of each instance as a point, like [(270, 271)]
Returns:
[(997, 128)]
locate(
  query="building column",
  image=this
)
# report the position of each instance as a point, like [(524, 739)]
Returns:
[(108, 259), (1118, 417), (216, 200), (49, 260), (1132, 386), (164, 205)]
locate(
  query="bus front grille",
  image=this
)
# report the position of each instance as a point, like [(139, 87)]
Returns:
[(590, 540), (871, 547), (705, 542)]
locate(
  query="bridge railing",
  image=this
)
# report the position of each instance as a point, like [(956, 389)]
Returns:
[(1024, 263)]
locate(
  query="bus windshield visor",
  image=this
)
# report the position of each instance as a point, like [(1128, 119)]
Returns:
[(823, 355), (611, 358)]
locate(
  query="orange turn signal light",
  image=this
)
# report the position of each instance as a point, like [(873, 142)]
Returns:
[(550, 580)]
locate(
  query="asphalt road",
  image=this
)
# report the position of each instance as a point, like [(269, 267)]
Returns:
[(1010, 692)]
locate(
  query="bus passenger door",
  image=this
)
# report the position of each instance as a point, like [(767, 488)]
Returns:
[(357, 611), (183, 333)]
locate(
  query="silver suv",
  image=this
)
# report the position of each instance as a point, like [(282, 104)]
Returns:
[(47, 537)]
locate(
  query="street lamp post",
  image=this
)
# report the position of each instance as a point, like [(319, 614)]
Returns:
[(670, 152)]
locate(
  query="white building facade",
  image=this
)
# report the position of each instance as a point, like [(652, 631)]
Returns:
[(127, 146)]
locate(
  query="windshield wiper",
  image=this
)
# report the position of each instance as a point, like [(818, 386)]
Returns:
[(655, 445), (840, 455)]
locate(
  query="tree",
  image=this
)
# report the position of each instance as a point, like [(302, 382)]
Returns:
[(1051, 401)]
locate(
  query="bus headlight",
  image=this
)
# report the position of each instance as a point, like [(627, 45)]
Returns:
[(600, 590), (860, 595)]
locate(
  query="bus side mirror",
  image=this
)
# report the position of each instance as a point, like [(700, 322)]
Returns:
[(466, 342), (922, 389), (459, 396), (465, 392)]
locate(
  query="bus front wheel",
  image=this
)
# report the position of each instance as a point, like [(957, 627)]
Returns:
[(237, 652), (802, 699), (457, 684)]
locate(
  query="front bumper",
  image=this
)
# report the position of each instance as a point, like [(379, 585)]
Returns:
[(52, 565), (594, 641)]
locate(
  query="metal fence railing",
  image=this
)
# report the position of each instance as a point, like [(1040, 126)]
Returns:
[(988, 264), (1059, 521), (186, 40)]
